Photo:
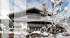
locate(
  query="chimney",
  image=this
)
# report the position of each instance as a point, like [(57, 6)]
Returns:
[(45, 12)]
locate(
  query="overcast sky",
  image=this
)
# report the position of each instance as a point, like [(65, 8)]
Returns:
[(8, 6)]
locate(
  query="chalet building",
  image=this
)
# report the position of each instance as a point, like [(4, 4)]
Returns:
[(30, 18)]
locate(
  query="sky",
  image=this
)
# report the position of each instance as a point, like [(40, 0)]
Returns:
[(10, 6)]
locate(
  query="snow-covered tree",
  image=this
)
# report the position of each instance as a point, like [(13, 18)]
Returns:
[(55, 18)]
